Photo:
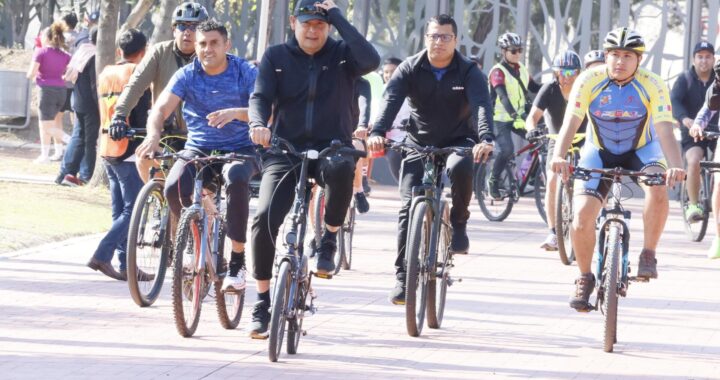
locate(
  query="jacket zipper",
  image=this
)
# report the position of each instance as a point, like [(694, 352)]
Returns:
[(311, 99)]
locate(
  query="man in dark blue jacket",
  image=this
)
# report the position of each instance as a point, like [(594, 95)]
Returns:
[(688, 96), (308, 85)]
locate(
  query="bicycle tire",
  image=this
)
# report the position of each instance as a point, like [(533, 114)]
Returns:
[(229, 304), (295, 330), (144, 293), (340, 244), (494, 210), (539, 188), (610, 278), (695, 231), (348, 231), (318, 215), (187, 282), (416, 253), (563, 222), (278, 313), (437, 286)]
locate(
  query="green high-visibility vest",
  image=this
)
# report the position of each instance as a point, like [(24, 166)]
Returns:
[(514, 91)]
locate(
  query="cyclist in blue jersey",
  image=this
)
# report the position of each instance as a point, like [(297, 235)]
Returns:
[(630, 126)]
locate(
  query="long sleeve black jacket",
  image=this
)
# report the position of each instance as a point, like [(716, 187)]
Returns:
[(312, 95), (688, 95), (458, 105), (361, 105)]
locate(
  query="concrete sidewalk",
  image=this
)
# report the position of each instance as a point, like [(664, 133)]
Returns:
[(508, 318)]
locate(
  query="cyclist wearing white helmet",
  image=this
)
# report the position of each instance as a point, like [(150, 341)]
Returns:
[(594, 58), (509, 86), (156, 69), (551, 101), (629, 126)]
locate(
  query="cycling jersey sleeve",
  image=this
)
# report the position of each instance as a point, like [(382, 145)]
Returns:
[(579, 99), (712, 96), (542, 100), (660, 107), (703, 117)]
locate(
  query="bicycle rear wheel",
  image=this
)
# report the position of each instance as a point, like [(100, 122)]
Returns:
[(280, 309), (416, 254), (695, 231), (347, 232), (495, 210), (563, 222), (540, 186), (229, 304), (148, 243), (610, 276), (189, 286), (438, 284)]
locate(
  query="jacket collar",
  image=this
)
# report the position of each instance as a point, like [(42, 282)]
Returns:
[(424, 61)]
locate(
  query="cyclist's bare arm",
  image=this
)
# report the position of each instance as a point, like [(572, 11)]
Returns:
[(671, 149), (570, 126), (220, 118), (161, 110), (533, 118)]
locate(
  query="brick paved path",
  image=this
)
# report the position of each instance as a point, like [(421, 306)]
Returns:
[(508, 318)]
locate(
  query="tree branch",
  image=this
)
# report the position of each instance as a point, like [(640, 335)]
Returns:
[(137, 14)]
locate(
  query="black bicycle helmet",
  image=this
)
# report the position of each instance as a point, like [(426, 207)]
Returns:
[(189, 12)]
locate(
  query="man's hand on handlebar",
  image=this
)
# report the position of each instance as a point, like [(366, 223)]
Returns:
[(561, 166), (118, 128), (376, 144), (260, 136), (148, 148), (482, 151)]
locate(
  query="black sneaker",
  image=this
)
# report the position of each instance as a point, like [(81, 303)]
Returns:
[(366, 185), (326, 254), (584, 286), (361, 203), (494, 189), (647, 265), (459, 244), (397, 294), (260, 320)]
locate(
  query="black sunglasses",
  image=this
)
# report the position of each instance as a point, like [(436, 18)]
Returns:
[(515, 51), (184, 27), (311, 10)]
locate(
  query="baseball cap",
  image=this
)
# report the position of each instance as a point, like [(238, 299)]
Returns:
[(704, 45), (306, 11)]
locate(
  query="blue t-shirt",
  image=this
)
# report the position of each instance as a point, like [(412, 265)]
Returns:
[(203, 94), (438, 72)]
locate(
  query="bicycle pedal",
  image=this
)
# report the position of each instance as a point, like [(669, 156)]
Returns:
[(262, 336), (640, 279), (326, 276)]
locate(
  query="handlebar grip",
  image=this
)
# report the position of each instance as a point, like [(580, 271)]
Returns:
[(353, 152)]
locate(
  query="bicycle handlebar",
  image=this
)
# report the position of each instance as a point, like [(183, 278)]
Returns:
[(429, 150), (713, 135), (336, 147), (650, 179)]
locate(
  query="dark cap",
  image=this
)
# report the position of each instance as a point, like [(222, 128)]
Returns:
[(306, 11), (704, 45)]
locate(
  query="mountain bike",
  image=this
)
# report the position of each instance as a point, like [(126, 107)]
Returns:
[(695, 230), (511, 187), (613, 244), (200, 250), (563, 204), (427, 254), (292, 291), (149, 245)]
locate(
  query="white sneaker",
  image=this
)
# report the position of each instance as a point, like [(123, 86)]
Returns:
[(234, 283), (550, 243), (42, 160)]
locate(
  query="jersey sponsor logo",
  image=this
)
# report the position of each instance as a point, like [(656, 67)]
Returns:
[(665, 108), (458, 88), (630, 100), (577, 104), (605, 100)]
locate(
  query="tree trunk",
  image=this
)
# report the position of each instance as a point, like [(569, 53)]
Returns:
[(107, 29), (163, 21), (137, 14)]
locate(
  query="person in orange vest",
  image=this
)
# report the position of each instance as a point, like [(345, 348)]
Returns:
[(118, 155)]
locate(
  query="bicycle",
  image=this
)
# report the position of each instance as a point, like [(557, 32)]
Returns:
[(343, 258), (427, 254), (613, 245), (510, 186), (695, 230), (149, 244), (292, 289), (201, 238), (563, 204)]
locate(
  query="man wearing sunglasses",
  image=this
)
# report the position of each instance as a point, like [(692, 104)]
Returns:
[(308, 84), (450, 106), (509, 86), (551, 102), (156, 69)]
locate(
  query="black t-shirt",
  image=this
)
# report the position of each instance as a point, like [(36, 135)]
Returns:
[(550, 100)]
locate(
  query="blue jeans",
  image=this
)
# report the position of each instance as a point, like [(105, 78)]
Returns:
[(79, 158), (125, 184)]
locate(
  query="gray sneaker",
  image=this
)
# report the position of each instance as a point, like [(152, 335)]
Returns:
[(647, 265)]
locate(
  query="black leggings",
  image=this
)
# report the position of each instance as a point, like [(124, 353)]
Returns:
[(277, 189), (236, 177), (504, 144)]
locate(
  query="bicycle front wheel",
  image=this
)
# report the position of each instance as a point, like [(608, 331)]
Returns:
[(438, 284), (495, 210), (563, 222), (610, 276), (540, 186), (189, 286), (278, 314), (695, 229), (416, 253), (148, 245), (229, 304)]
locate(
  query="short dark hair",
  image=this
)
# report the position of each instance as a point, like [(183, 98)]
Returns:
[(443, 19), (212, 25), (93, 35), (70, 19), (392, 61), (131, 42)]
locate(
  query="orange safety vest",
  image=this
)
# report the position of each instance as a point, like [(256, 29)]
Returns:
[(111, 83)]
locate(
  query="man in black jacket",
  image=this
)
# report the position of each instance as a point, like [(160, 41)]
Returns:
[(688, 96), (450, 107), (308, 83)]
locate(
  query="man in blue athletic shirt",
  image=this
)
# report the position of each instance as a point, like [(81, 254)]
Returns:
[(215, 89)]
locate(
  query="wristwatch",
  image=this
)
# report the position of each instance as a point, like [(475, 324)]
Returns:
[(489, 141)]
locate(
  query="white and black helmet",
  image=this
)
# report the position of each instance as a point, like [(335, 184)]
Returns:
[(594, 56), (510, 41), (624, 39), (189, 12)]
